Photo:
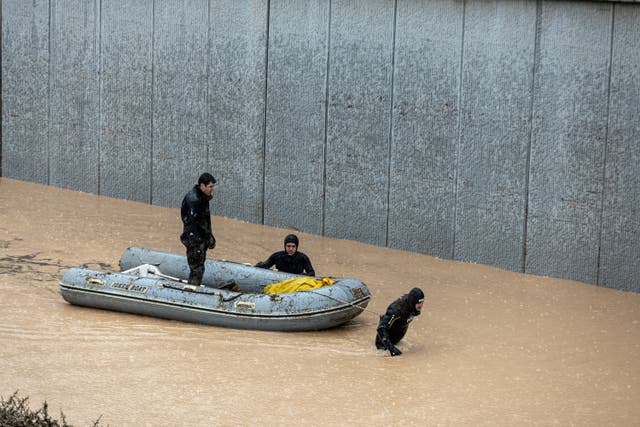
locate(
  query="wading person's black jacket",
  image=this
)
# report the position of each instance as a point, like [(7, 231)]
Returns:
[(394, 323)]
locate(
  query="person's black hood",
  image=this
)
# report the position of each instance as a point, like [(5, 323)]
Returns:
[(413, 297), (291, 238)]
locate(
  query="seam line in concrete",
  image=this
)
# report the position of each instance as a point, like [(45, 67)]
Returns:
[(152, 106), (50, 71), (391, 106), (605, 148), (100, 94), (458, 138), (265, 113), (326, 124), (527, 177)]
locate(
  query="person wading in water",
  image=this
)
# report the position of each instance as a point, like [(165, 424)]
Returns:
[(394, 323)]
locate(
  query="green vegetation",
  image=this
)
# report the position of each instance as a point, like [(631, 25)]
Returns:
[(15, 412)]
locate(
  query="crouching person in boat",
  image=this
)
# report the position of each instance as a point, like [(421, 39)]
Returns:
[(290, 260), (394, 323), (197, 236)]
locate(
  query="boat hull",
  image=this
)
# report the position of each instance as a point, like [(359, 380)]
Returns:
[(317, 309)]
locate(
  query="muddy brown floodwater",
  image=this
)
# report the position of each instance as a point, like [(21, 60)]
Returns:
[(492, 347)]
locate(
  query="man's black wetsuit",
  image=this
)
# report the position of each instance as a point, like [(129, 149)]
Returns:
[(196, 236), (298, 263), (394, 323)]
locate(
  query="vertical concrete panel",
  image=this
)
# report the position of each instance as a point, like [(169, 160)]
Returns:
[(360, 71), (126, 69), (75, 94), (499, 44), (25, 90), (425, 126), (296, 88), (180, 139), (569, 128), (620, 246), (236, 106)]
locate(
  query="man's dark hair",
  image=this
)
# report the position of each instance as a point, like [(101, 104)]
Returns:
[(206, 178)]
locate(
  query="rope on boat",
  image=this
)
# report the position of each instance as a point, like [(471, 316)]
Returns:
[(146, 270), (150, 270), (344, 302), (198, 291)]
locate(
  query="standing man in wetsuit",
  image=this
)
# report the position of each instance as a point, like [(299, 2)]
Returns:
[(197, 236), (290, 260), (395, 322)]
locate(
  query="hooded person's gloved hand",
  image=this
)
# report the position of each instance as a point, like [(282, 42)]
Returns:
[(394, 351), (392, 348), (212, 242)]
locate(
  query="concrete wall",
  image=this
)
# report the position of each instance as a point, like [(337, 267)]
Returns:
[(501, 132)]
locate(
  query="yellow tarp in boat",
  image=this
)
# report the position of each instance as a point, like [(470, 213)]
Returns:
[(297, 284)]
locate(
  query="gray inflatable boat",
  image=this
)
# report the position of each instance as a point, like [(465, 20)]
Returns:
[(153, 283)]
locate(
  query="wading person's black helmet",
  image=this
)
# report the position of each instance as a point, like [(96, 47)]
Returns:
[(415, 296)]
